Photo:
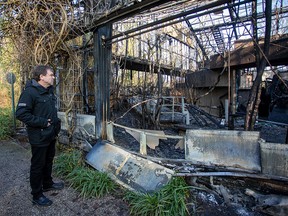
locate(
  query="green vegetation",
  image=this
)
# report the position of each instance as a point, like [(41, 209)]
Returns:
[(89, 182), (6, 123), (67, 161), (170, 200)]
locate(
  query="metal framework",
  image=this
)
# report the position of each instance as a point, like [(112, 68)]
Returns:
[(118, 40)]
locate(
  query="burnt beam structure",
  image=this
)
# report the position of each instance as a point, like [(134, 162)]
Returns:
[(205, 9), (102, 69), (137, 64), (246, 19), (196, 38), (233, 18), (245, 57), (117, 15)]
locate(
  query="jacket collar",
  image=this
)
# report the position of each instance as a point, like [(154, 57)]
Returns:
[(33, 83)]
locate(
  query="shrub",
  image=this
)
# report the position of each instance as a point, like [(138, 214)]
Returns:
[(6, 123), (170, 200), (89, 182), (67, 161)]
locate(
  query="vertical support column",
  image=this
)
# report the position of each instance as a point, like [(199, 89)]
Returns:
[(226, 107), (173, 107), (102, 70), (286, 140), (143, 143), (182, 105), (233, 92), (110, 133), (232, 105), (230, 89), (85, 77), (13, 100), (57, 74)]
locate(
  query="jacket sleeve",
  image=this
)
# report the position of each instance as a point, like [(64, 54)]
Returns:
[(24, 111)]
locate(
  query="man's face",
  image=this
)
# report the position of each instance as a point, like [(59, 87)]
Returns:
[(48, 79)]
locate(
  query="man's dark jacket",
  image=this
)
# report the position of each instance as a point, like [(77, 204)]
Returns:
[(36, 105)]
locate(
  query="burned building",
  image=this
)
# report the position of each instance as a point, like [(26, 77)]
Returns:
[(175, 62)]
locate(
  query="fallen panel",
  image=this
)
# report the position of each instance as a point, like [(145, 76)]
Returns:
[(130, 170), (237, 149), (274, 159)]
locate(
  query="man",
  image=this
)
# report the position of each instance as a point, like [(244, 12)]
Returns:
[(37, 109)]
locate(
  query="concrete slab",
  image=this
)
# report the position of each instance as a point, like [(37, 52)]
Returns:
[(131, 171), (237, 149), (274, 159)]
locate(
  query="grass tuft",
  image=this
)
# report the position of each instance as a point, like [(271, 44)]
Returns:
[(89, 182), (170, 200), (67, 161)]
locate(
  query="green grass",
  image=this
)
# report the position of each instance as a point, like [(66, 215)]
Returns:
[(6, 123), (89, 182), (170, 200), (67, 161)]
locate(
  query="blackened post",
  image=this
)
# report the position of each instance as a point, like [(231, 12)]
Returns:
[(102, 71)]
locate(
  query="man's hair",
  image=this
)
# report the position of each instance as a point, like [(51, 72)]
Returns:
[(40, 70)]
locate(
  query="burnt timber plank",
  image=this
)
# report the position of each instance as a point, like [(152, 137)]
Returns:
[(137, 64), (245, 58)]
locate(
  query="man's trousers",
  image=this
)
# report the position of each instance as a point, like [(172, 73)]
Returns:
[(41, 168)]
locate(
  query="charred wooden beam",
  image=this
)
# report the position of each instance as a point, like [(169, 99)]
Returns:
[(117, 15), (137, 64), (244, 57), (196, 38), (102, 68), (234, 174), (238, 20), (167, 21)]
